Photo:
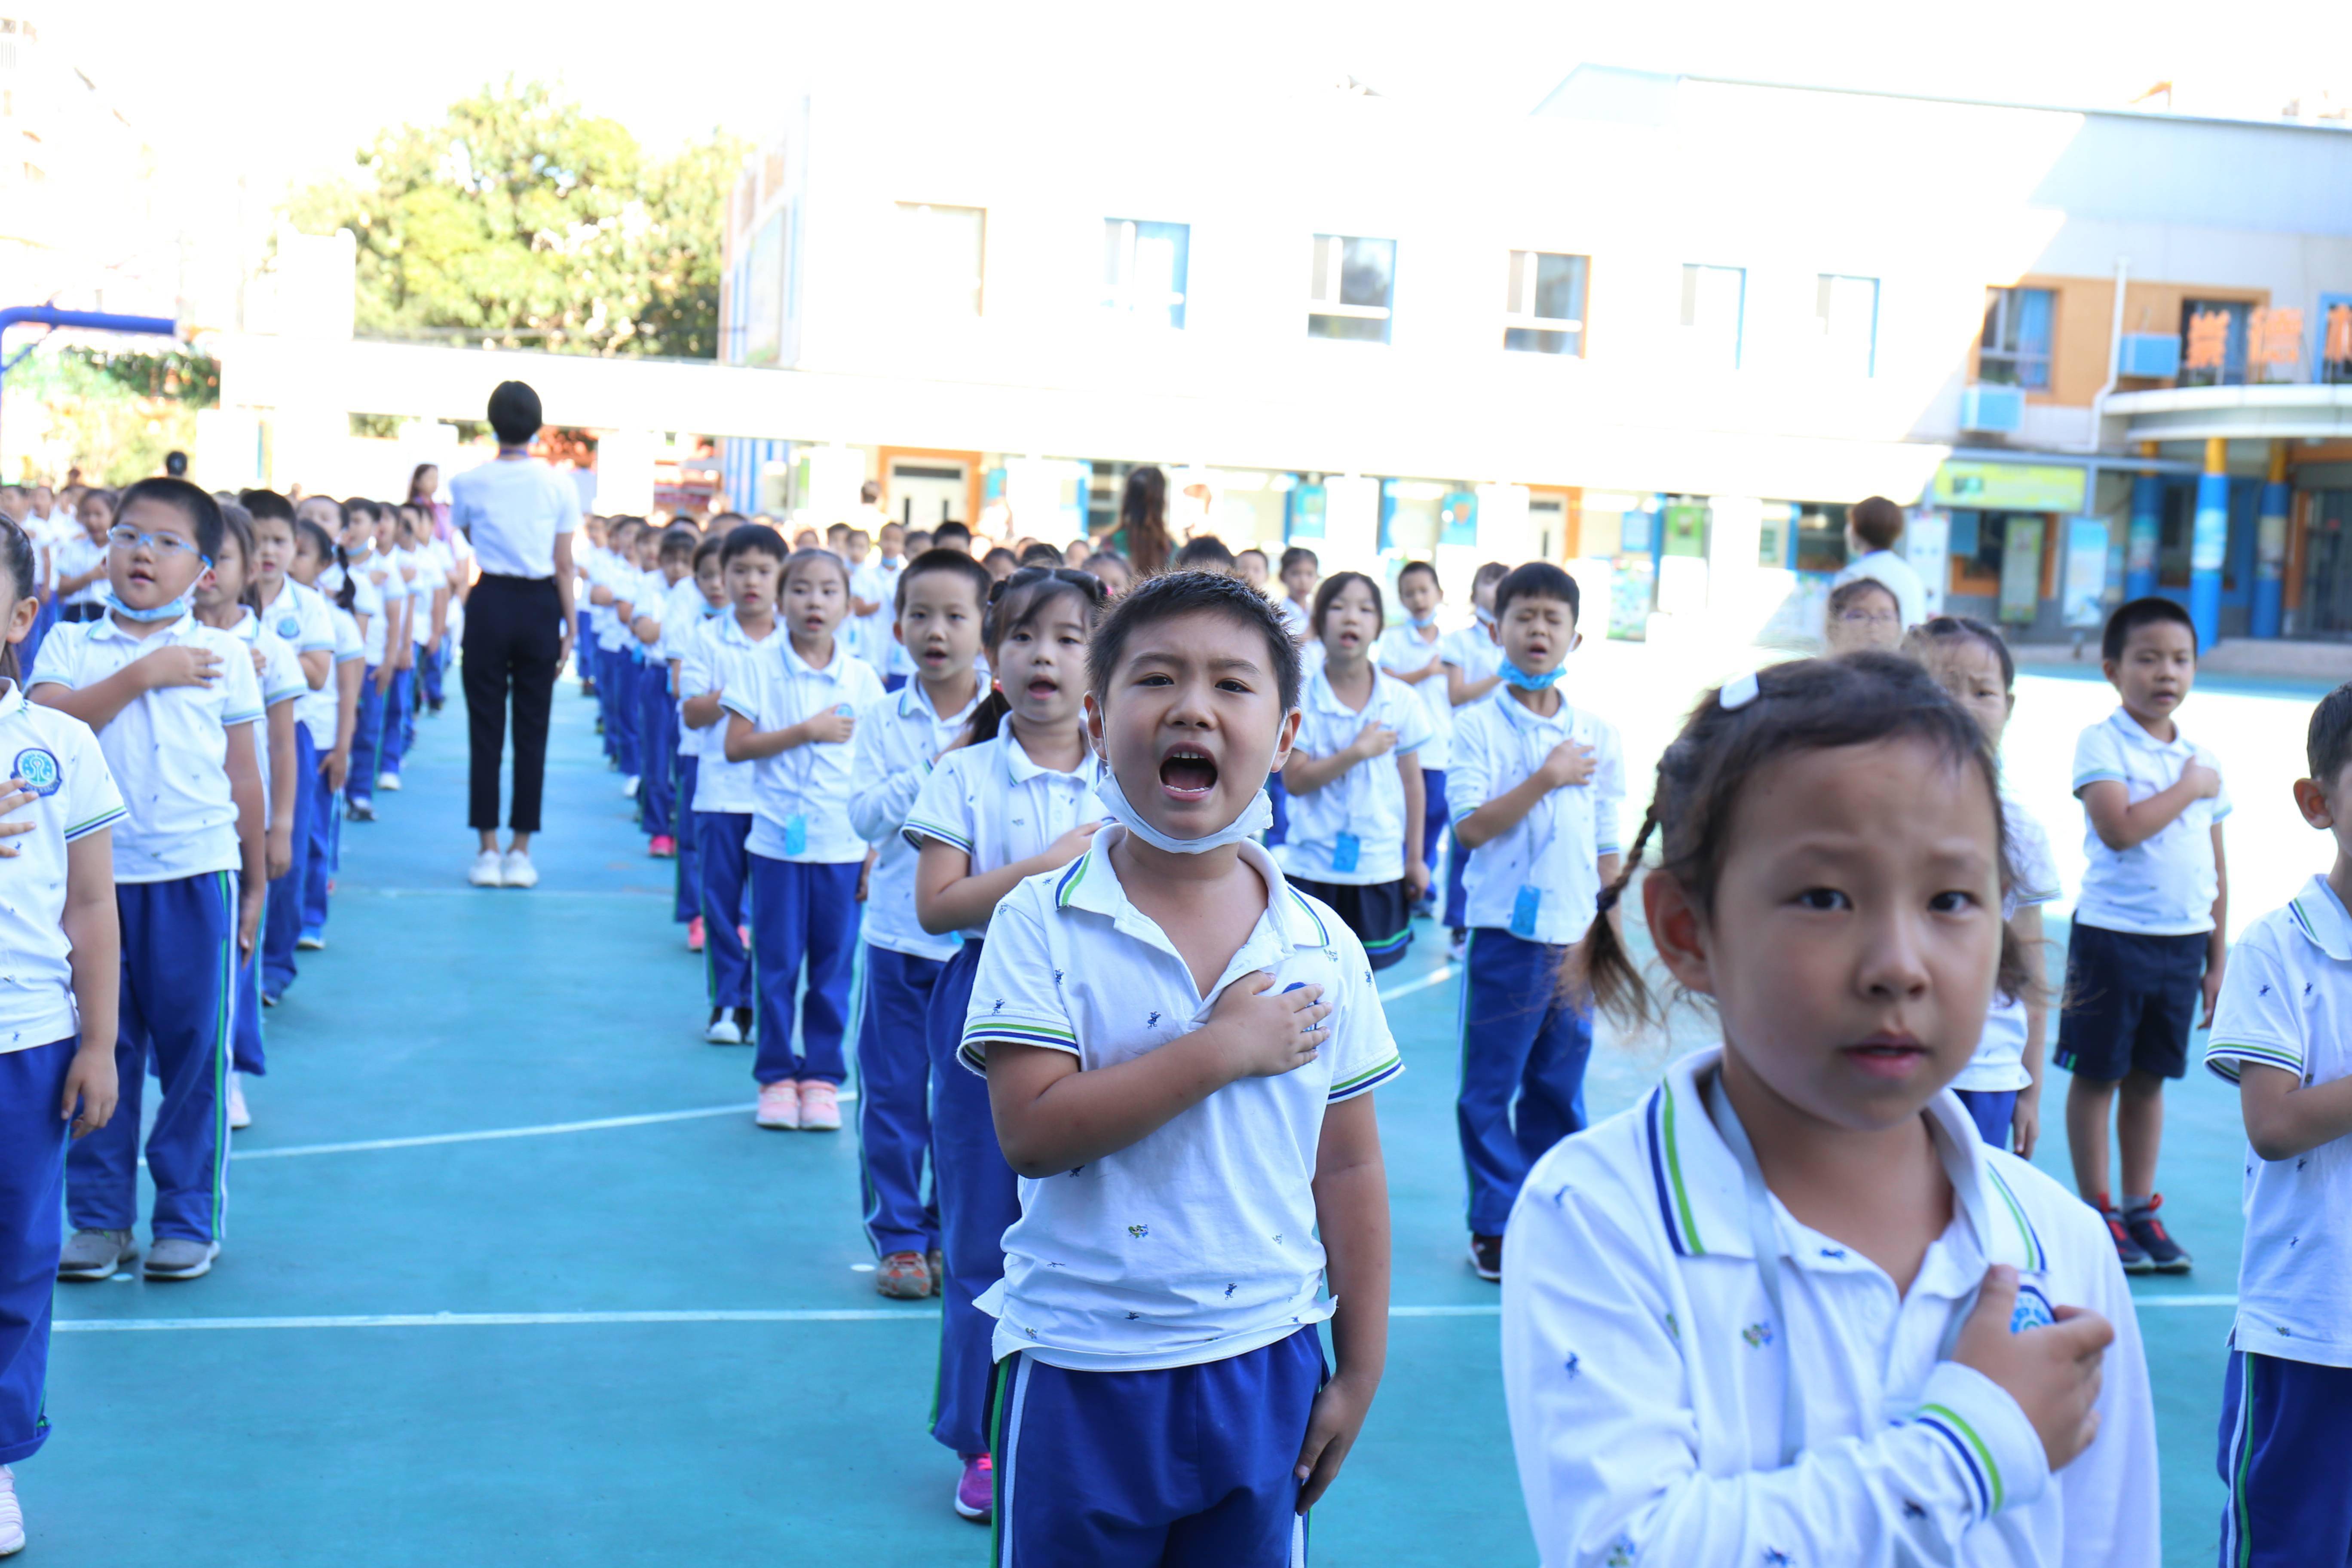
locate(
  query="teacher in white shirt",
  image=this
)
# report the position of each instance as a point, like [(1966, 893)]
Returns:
[(1872, 531), (520, 516)]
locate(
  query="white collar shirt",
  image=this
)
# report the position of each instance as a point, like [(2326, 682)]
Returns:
[(899, 737), (74, 796), (168, 748), (73, 557), (1998, 1064), (1352, 830), (1645, 1368), (996, 805), (512, 509), (2286, 1003), (1472, 650), (301, 618), (1403, 650), (282, 681), (878, 582), (711, 664), (1197, 1242), (683, 608), (367, 605), (1548, 861), (324, 718), (2164, 884), (799, 798), (1902, 580)]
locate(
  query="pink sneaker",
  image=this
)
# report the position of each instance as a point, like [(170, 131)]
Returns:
[(663, 847), (976, 1492), (820, 1106), (780, 1107), (694, 934)]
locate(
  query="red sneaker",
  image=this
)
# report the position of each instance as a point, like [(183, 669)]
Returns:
[(694, 934), (663, 847)]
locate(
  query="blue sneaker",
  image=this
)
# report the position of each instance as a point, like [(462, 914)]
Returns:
[(2165, 1256)]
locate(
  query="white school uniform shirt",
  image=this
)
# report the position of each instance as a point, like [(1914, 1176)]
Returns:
[(773, 687), (611, 572), (877, 579), (282, 681), (1645, 1369), (1197, 1242), (1998, 1064), (168, 748), (73, 556), (320, 712), (59, 760), (1902, 580), (2286, 1003), (1471, 650), (367, 601), (1368, 800), (302, 619), (682, 609), (1400, 651), (710, 665), (898, 740), (2164, 884), (1294, 616), (997, 806), (1556, 847)]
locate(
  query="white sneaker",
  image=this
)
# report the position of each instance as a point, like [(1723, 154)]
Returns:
[(12, 1515), (722, 1029), (388, 781), (515, 870), (485, 872), (629, 787), (239, 1118)]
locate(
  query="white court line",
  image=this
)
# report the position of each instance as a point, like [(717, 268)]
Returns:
[(1435, 977), (472, 892)]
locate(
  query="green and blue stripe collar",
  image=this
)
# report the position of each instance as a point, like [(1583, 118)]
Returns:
[(2321, 917)]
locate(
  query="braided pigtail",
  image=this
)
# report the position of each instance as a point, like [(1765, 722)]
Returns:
[(1600, 963)]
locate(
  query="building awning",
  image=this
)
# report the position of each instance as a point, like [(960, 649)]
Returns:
[(2293, 411)]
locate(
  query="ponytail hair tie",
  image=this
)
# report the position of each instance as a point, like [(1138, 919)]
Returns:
[(1606, 901)]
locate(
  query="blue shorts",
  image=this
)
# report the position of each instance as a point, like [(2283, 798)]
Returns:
[(2285, 1425), (2131, 1001), (1187, 1467)]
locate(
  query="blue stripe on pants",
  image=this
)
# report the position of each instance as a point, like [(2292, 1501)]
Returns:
[(688, 902), (725, 865), (244, 1011), (2285, 1426), (1433, 820), (1523, 1039), (1182, 1466), (32, 1190), (804, 913), (282, 920), (894, 1087), (178, 941), (978, 1197), (367, 741)]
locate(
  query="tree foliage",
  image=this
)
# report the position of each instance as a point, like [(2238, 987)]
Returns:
[(524, 220)]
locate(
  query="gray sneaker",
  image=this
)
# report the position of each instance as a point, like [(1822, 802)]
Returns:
[(96, 1255), (177, 1257)]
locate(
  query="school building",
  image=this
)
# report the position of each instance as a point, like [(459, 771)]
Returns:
[(1665, 328)]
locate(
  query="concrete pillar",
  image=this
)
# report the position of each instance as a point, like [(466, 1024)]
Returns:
[(2146, 532), (2210, 544), (2270, 547)]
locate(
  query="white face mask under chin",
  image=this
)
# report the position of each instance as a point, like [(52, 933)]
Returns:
[(1254, 818)]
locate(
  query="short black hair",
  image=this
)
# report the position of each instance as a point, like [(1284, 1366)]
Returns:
[(752, 538), (263, 504), (812, 556), (1000, 555), (956, 563), (176, 463), (706, 548), (1538, 580), (2328, 744), (1202, 553), (1042, 554), (203, 512), (1173, 594), (515, 413), (1410, 567), (1876, 521), (1961, 628), (1330, 590), (676, 540), (2134, 614), (1298, 553), (1846, 593), (951, 530)]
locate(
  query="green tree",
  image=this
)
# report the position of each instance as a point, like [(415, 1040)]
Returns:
[(525, 220)]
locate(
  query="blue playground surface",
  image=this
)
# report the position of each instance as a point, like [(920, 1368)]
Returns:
[(512, 1277)]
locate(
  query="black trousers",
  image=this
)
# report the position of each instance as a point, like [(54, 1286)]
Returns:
[(514, 638)]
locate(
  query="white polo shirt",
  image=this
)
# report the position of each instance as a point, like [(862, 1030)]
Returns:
[(168, 748), (609, 571), (876, 581), (512, 508), (1472, 650), (2286, 1003), (1402, 651), (899, 739), (1294, 616), (282, 681), (2164, 884), (1998, 1063), (799, 798), (320, 712), (1902, 580), (1358, 816), (1549, 863), (710, 666), (1196, 1243), (302, 619), (59, 761), (1646, 1371), (682, 609), (71, 558), (997, 806)]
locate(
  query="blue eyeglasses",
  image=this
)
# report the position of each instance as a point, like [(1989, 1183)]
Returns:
[(123, 536)]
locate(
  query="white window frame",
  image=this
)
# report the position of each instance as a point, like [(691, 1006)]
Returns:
[(1519, 311), (1323, 286)]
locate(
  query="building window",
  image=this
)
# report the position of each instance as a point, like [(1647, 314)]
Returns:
[(2213, 342), (1847, 311), (1714, 300), (941, 257), (1143, 269), (2015, 348), (1544, 313), (1353, 289)]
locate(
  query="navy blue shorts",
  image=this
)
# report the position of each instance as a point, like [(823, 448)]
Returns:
[(1380, 914), (1186, 1467), (2131, 1001), (2285, 1428)]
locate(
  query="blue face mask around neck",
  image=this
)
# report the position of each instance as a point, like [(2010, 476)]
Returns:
[(1254, 818), (171, 612), (1520, 680)]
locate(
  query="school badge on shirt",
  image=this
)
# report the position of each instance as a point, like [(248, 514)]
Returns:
[(37, 766), (289, 629)]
